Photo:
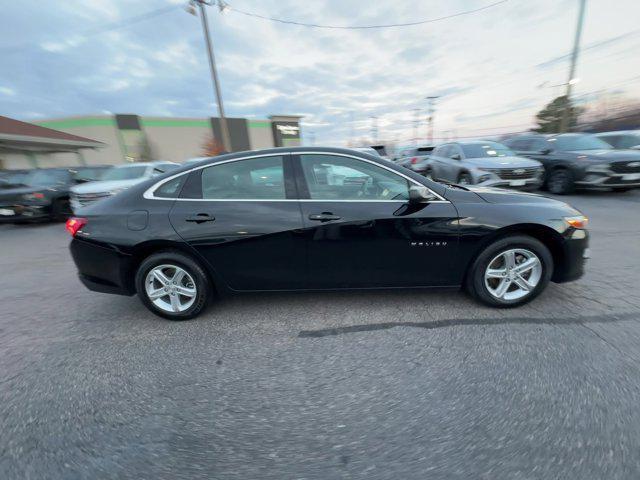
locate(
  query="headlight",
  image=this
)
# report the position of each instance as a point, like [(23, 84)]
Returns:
[(484, 178), (578, 221), (33, 196)]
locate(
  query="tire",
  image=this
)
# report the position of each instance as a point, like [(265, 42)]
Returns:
[(465, 179), (61, 210), (560, 182), (428, 174), (476, 282), (195, 279)]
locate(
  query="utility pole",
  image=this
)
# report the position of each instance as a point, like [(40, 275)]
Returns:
[(564, 121), (431, 113), (416, 123), (226, 139), (374, 129)]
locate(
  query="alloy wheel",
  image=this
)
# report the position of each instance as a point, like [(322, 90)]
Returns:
[(170, 288), (513, 274)]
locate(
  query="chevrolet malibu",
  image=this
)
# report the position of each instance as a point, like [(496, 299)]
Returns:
[(320, 219)]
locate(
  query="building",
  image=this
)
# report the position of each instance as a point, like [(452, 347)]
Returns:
[(25, 145), (131, 138)]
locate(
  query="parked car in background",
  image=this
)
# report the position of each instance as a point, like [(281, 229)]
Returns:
[(91, 173), (195, 159), (12, 178), (369, 150), (580, 160), (117, 179), (484, 163), (382, 151), (621, 139), (288, 219), (416, 158), (43, 194)]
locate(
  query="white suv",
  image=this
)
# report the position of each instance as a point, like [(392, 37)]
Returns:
[(115, 180)]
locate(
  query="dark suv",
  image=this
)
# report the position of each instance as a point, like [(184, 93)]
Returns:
[(579, 160), (43, 194)]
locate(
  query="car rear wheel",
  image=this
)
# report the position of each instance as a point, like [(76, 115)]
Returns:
[(173, 285), (560, 182), (510, 272), (465, 179)]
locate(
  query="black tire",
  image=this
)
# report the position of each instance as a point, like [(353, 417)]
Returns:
[(475, 281), (203, 287), (560, 182), (465, 179), (61, 210)]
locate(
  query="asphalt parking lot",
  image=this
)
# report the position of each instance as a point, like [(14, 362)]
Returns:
[(401, 384)]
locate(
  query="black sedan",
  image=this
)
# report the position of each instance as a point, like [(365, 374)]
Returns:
[(580, 160), (317, 219), (43, 194)]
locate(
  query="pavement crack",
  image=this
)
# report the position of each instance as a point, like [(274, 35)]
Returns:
[(446, 323)]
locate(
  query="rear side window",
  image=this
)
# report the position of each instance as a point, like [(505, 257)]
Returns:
[(170, 189), (250, 179)]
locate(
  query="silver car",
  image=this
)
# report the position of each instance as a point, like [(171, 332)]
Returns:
[(115, 180), (484, 163)]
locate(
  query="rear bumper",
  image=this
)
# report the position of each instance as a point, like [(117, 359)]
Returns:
[(103, 268)]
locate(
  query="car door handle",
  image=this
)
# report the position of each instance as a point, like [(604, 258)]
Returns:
[(200, 218), (324, 217)]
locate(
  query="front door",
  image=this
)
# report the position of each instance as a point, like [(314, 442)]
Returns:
[(243, 218), (361, 231)]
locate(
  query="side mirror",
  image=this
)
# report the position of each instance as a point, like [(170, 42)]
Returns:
[(420, 194), (456, 156)]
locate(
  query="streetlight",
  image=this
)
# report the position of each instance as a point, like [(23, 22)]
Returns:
[(223, 7)]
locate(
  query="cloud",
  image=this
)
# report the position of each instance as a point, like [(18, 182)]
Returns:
[(82, 57)]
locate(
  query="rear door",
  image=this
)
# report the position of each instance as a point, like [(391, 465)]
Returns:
[(242, 216), (361, 231)]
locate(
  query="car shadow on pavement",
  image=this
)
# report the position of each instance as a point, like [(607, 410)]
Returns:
[(434, 324)]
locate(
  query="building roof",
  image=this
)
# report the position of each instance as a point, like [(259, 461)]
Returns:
[(15, 134)]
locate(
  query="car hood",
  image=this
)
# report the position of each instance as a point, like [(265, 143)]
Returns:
[(503, 162), (610, 155), (499, 195), (105, 186)]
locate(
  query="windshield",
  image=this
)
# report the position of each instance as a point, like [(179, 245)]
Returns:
[(37, 178), (125, 173), (578, 142), (485, 150)]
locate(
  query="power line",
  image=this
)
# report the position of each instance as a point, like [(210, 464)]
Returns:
[(364, 27)]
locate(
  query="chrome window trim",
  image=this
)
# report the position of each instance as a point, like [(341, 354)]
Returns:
[(148, 193)]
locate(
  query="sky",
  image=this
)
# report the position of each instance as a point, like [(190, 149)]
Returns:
[(492, 69)]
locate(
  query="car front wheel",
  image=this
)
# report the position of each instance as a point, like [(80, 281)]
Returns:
[(173, 285), (560, 182), (465, 179), (510, 272)]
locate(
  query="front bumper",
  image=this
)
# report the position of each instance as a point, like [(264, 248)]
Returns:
[(602, 178), (574, 256), (519, 184), (24, 213), (103, 268)]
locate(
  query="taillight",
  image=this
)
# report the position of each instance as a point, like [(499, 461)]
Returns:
[(74, 224), (414, 160)]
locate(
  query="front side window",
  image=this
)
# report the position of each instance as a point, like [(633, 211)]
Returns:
[(250, 179), (331, 177)]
